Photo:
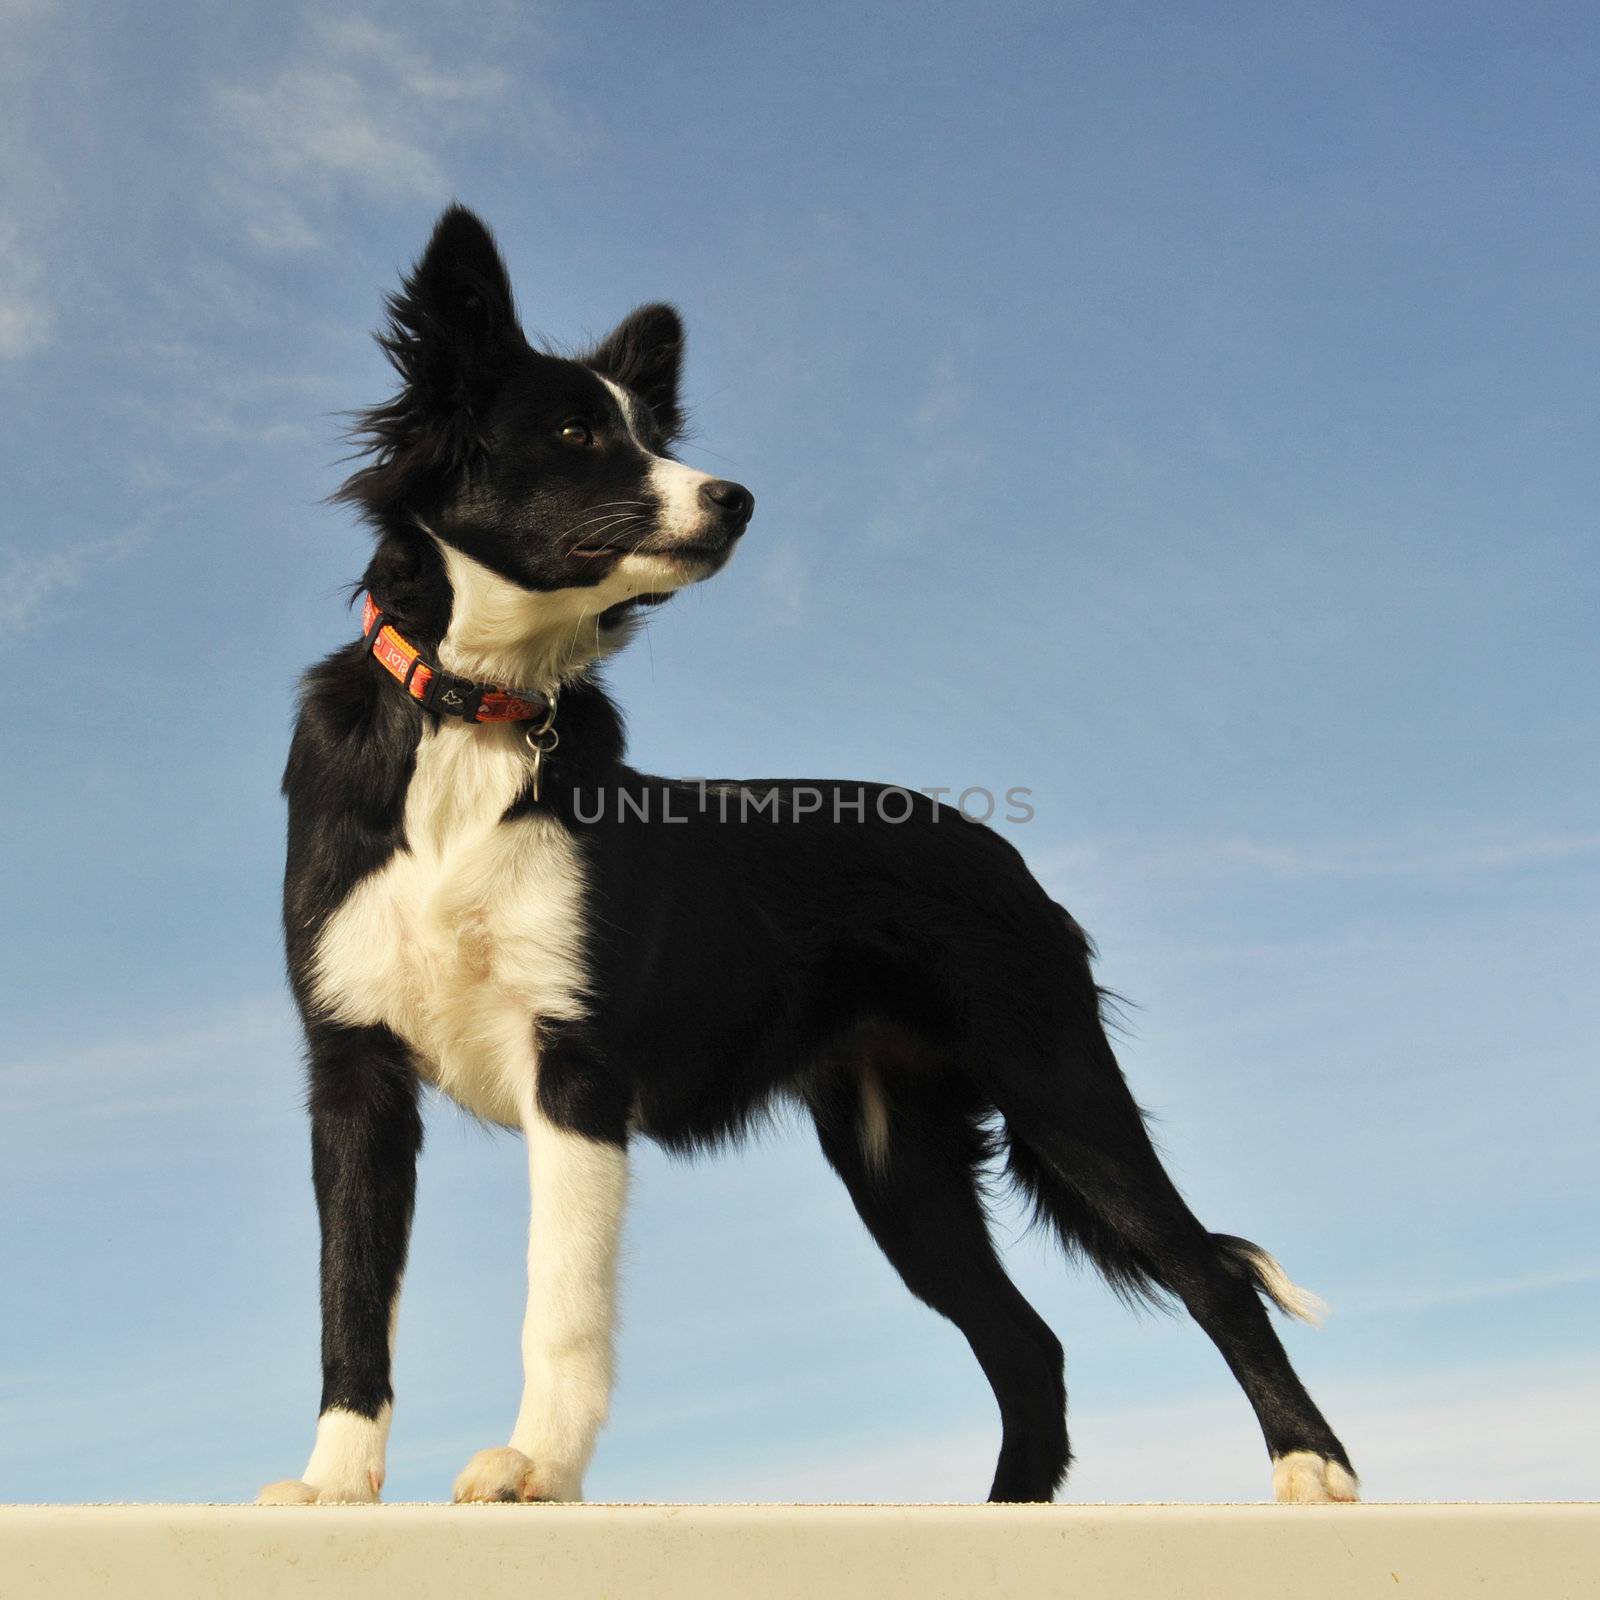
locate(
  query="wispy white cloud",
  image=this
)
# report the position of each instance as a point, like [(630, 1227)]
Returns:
[(178, 1060), (783, 583), (262, 408), (27, 311), (26, 318), (262, 401), (933, 478), (1216, 858), (31, 584), (356, 110), (1460, 1294), (1521, 852)]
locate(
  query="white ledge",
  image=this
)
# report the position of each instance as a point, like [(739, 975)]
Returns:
[(1401, 1552)]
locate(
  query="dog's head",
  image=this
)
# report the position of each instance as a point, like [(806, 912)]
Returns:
[(547, 484)]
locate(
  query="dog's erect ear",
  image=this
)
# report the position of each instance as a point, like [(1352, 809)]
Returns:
[(452, 327), (644, 353), (453, 336)]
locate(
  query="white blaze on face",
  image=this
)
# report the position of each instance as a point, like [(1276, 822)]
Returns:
[(674, 485), (678, 487)]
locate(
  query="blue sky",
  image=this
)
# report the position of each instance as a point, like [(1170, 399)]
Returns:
[(1186, 414)]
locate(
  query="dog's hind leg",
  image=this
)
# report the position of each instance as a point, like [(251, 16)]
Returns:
[(366, 1130), (1079, 1145), (911, 1164)]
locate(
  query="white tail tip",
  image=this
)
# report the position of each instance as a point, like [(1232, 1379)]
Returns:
[(1284, 1292)]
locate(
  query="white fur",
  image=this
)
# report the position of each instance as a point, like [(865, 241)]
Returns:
[(346, 1465), (470, 932), (349, 1452), (676, 486), (1304, 1478), (536, 639), (873, 1122), (1284, 1292), (578, 1190), (499, 1473), (628, 403)]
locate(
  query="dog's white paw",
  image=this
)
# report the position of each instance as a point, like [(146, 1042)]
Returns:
[(297, 1492), (1303, 1478), (504, 1474)]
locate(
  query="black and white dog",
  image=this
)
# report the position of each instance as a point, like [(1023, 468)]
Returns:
[(482, 895)]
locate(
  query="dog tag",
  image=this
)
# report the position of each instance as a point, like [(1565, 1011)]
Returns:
[(541, 741)]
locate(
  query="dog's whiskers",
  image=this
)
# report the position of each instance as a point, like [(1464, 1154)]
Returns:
[(608, 528), (602, 509), (580, 538), (609, 537)]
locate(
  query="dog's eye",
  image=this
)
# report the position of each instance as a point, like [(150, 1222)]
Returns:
[(576, 432)]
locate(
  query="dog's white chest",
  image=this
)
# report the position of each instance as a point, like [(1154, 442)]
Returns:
[(471, 933)]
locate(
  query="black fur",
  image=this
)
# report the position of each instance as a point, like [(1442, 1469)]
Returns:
[(765, 946)]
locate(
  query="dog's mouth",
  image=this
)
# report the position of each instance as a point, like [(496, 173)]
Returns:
[(688, 553), (614, 538), (700, 551)]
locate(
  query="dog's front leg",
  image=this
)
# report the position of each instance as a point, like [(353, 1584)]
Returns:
[(579, 1184), (366, 1130)]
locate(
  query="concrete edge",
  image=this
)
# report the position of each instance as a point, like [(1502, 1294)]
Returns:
[(818, 1552)]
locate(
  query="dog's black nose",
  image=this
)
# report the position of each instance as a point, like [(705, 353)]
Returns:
[(731, 501)]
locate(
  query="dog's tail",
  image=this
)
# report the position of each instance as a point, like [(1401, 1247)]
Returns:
[(1083, 1231), (1271, 1281), (1078, 1148)]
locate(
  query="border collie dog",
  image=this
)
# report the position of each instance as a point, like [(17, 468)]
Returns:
[(484, 896)]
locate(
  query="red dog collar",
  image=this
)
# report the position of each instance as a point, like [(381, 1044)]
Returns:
[(443, 691)]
